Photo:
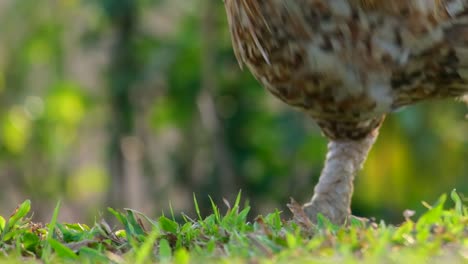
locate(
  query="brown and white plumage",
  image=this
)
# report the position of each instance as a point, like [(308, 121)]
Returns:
[(347, 63)]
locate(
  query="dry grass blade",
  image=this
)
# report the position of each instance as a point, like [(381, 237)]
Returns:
[(299, 216)]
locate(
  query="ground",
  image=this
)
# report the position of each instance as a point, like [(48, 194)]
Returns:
[(440, 234)]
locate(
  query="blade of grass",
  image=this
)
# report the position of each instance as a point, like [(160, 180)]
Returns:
[(2, 223), (172, 211), (143, 254), (168, 225), (181, 256), (151, 221), (215, 210), (51, 228), (197, 208), (21, 211), (165, 251), (94, 255), (457, 200), (237, 202), (61, 250)]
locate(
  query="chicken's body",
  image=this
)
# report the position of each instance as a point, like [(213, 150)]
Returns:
[(347, 63)]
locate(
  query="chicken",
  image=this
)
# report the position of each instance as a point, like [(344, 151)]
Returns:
[(348, 63)]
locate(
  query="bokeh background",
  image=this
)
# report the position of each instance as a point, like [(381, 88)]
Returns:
[(141, 104)]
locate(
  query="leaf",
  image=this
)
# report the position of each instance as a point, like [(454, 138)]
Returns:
[(123, 220), (50, 233), (237, 202), (11, 234), (165, 251), (53, 221), (433, 215), (291, 240), (403, 230), (211, 246), (94, 255), (274, 220), (30, 241), (357, 222), (136, 226), (181, 256), (121, 233), (143, 254), (61, 250), (323, 222), (197, 208), (2, 223), (21, 211), (215, 210), (118, 215), (70, 234), (152, 222), (168, 225), (77, 227), (171, 210), (458, 201)]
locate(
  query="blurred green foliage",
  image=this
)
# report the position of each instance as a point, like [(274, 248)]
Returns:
[(157, 82)]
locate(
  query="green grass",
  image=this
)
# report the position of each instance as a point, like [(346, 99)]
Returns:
[(439, 235)]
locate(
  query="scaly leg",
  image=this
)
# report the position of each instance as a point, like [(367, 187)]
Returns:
[(332, 194)]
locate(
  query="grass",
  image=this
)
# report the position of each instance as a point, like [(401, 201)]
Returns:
[(439, 235)]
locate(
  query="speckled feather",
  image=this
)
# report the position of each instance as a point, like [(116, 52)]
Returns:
[(347, 63)]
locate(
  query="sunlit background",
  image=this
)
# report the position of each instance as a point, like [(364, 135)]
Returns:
[(141, 104)]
